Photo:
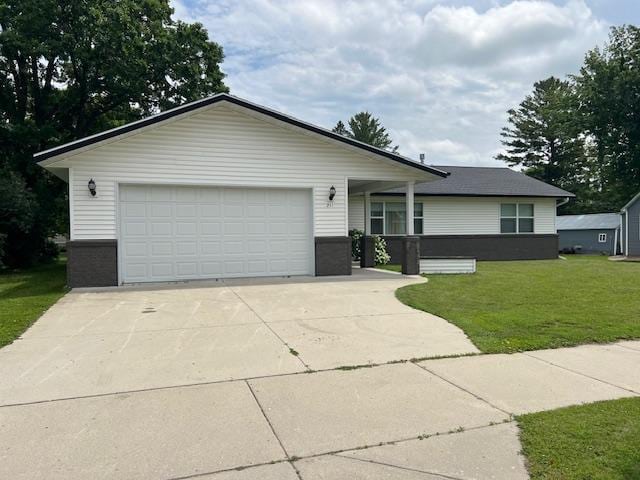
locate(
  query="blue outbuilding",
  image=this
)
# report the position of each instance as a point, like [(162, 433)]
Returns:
[(631, 227), (595, 233)]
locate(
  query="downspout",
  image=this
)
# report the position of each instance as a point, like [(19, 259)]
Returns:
[(615, 242)]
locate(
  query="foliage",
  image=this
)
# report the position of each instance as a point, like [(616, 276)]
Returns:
[(381, 256), (608, 90), (26, 294), (72, 68), (596, 441), (544, 136), (583, 134), (527, 305), (356, 237), (366, 128)]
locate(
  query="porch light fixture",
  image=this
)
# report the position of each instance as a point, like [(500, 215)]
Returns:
[(332, 193), (92, 187)]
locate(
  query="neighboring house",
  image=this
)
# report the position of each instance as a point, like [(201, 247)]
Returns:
[(630, 224), (484, 212), (596, 233), (223, 188)]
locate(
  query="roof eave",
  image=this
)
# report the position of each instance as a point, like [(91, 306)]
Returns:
[(42, 157)]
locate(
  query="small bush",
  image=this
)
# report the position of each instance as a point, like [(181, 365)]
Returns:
[(355, 235), (381, 256)]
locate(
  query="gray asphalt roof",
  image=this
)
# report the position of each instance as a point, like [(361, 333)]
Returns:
[(596, 221), (485, 181)]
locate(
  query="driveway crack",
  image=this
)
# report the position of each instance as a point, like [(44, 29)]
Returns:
[(289, 348), (581, 373), (289, 458), (409, 469), (425, 369)]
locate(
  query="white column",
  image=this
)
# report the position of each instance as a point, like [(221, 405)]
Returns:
[(367, 213), (410, 201)]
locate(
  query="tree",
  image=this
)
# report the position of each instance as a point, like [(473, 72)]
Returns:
[(608, 88), (366, 128), (544, 137), (69, 68)]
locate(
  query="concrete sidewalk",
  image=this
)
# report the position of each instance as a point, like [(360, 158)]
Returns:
[(265, 379), (446, 418)]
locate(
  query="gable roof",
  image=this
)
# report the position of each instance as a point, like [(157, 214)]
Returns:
[(631, 202), (487, 182), (225, 97), (596, 221)]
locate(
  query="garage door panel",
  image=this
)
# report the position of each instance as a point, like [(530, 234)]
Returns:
[(135, 228), (164, 270), (157, 193), (188, 229), (233, 227), (160, 228), (199, 232)]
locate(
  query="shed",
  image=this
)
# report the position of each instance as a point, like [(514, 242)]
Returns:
[(595, 233)]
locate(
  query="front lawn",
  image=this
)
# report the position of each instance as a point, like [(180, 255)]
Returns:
[(528, 305), (597, 441), (25, 295)]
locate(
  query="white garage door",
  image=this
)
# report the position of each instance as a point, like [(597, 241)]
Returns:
[(178, 233)]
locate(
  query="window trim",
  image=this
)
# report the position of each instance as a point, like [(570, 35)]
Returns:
[(384, 219), (602, 237), (517, 218)]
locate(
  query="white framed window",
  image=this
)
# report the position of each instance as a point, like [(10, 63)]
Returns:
[(516, 218), (602, 238), (390, 218)]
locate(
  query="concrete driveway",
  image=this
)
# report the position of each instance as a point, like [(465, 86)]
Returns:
[(244, 380)]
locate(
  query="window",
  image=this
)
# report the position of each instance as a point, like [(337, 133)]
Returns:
[(390, 218), (602, 238), (377, 218), (516, 218)]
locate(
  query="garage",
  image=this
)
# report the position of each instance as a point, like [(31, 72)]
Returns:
[(171, 233)]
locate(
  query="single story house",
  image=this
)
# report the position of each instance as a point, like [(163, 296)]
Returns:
[(596, 233), (630, 225), (223, 187), (484, 212)]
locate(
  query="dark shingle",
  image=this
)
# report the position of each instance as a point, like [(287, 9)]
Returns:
[(485, 181)]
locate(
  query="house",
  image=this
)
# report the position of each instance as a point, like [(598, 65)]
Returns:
[(223, 187), (596, 233), (483, 212), (630, 224)]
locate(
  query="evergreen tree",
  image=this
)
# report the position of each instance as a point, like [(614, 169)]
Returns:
[(366, 128)]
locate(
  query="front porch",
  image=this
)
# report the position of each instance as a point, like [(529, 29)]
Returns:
[(407, 243)]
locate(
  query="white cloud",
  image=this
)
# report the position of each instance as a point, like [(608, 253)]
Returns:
[(441, 77)]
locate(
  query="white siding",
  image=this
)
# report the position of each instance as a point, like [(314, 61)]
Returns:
[(220, 146), (464, 215), (356, 212), (448, 265)]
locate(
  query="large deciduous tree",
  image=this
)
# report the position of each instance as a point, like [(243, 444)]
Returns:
[(608, 89), (69, 68), (366, 128)]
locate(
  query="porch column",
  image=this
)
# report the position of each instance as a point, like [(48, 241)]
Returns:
[(410, 243), (367, 213), (367, 243), (410, 201)]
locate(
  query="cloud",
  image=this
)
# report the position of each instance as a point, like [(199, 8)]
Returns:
[(440, 77)]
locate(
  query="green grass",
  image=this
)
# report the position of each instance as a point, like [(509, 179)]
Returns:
[(25, 295), (528, 305), (597, 441), (392, 267)]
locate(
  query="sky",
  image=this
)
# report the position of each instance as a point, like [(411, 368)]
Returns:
[(440, 75)]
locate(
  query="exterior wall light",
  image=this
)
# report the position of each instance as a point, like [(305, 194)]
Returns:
[(92, 187), (332, 193)]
